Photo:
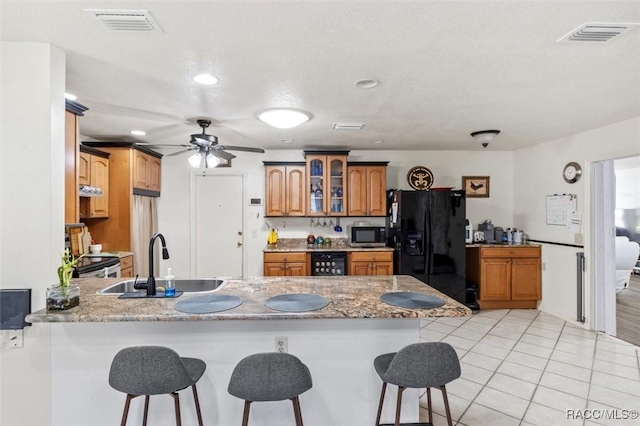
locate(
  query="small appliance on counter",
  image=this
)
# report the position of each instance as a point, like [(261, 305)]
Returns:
[(499, 234), (468, 232), (487, 227)]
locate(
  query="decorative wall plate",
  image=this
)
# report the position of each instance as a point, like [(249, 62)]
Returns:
[(420, 178)]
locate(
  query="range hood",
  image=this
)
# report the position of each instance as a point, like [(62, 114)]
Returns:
[(90, 191)]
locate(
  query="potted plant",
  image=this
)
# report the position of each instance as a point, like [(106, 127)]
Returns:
[(65, 295)]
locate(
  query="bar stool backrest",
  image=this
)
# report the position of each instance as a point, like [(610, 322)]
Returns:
[(423, 365)]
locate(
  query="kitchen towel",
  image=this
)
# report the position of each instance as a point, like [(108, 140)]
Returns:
[(207, 304), (411, 300), (296, 302)]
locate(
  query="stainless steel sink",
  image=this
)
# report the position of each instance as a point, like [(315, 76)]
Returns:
[(188, 285)]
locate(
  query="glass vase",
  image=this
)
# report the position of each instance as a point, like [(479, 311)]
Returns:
[(60, 298)]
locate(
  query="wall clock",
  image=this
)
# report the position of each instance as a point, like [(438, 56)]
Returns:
[(420, 178), (572, 172)]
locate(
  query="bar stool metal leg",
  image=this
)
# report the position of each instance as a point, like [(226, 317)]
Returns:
[(446, 405), (195, 398), (146, 410), (399, 405), (429, 407), (296, 410), (176, 400), (384, 388), (125, 413), (245, 414)]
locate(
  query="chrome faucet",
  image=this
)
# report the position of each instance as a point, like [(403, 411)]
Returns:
[(151, 281)]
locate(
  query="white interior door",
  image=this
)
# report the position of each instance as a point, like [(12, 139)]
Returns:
[(217, 230)]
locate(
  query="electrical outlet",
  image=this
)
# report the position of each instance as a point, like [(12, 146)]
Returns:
[(577, 238), (254, 234), (544, 266), (281, 345)]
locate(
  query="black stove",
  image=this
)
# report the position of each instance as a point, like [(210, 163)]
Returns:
[(91, 264)]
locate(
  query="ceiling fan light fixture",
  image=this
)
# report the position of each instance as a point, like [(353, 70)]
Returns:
[(70, 96), (206, 79), (138, 133), (195, 160), (485, 136), (284, 118), (212, 160)]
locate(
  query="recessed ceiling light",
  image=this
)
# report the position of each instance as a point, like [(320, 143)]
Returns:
[(138, 133), (284, 118), (70, 96), (377, 142), (207, 79), (368, 83), (286, 140)]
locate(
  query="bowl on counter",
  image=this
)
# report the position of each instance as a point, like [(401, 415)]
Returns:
[(95, 248)]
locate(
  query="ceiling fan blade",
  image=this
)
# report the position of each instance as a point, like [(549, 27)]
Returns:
[(163, 145), (241, 148), (180, 152), (222, 154)]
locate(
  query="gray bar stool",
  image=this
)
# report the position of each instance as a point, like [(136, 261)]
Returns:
[(154, 370), (421, 365), (270, 376)]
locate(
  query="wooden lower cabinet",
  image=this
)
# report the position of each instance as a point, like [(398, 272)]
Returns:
[(507, 276), (285, 264), (370, 263), (126, 266)]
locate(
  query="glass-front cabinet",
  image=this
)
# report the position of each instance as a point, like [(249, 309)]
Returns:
[(326, 184)]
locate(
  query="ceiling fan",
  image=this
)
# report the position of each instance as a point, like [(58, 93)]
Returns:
[(206, 148)]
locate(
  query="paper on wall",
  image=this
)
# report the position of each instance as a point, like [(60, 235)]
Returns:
[(574, 221)]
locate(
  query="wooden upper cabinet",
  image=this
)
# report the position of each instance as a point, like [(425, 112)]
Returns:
[(284, 195), (71, 161), (94, 170), (140, 170), (146, 171), (326, 184), (155, 165), (367, 186), (84, 169)]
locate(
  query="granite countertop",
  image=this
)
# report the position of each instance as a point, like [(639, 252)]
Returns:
[(300, 244), (349, 297), (119, 254), (528, 245)]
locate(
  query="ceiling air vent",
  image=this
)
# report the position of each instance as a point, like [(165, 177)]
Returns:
[(132, 21), (597, 32), (348, 126)]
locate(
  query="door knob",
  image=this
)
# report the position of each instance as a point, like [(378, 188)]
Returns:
[(239, 232), (239, 243)]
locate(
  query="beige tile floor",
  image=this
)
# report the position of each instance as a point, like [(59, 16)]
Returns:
[(525, 367)]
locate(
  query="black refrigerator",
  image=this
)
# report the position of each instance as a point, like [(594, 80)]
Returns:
[(427, 231)]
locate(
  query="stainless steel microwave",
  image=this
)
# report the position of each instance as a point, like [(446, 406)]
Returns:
[(366, 236)]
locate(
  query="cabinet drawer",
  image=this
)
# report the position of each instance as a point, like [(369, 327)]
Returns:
[(285, 257), (127, 273), (126, 262), (372, 255), (510, 252)]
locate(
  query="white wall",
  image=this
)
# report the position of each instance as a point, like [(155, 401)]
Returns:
[(537, 173), (31, 220), (448, 168)]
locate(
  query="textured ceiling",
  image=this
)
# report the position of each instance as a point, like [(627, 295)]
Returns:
[(446, 69)]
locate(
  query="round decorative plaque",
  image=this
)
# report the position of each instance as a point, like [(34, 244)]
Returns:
[(420, 178)]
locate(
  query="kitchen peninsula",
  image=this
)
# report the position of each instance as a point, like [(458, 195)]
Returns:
[(338, 343)]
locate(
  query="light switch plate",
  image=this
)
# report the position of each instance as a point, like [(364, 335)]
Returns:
[(577, 238)]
